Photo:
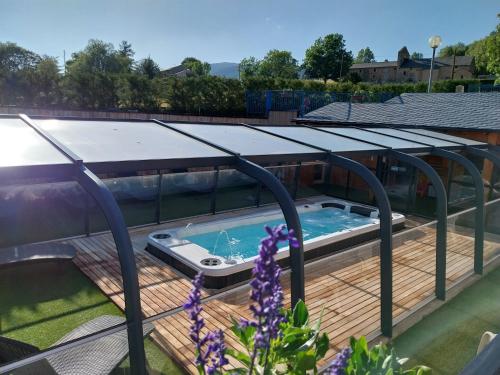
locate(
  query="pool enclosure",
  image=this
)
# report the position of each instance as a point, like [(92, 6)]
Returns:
[(116, 174)]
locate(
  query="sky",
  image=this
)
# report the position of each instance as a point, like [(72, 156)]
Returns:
[(229, 30)]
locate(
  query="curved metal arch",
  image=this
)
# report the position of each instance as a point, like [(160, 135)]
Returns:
[(105, 199), (385, 214), (292, 221), (441, 213), (479, 214), (284, 200)]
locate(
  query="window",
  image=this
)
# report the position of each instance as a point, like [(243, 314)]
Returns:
[(404, 73), (374, 69)]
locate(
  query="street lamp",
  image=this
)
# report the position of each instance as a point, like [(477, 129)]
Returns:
[(434, 42)]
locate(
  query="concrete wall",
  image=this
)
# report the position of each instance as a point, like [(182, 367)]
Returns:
[(274, 118)]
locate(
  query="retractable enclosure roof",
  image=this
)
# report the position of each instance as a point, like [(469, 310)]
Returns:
[(424, 139), (250, 143), (446, 137), (403, 143), (25, 153), (331, 142), (107, 146)]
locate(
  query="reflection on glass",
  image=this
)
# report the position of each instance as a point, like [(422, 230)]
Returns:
[(136, 196), (48, 303), (186, 194), (400, 185), (286, 175), (235, 190), (313, 180), (39, 212)]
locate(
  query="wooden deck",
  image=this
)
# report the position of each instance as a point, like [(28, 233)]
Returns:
[(348, 292)]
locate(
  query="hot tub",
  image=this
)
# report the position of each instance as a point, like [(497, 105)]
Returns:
[(225, 249)]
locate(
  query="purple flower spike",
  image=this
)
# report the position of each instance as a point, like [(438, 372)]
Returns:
[(266, 288), (218, 350), (194, 309), (339, 364), (213, 358)]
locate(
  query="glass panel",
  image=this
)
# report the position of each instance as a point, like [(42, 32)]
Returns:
[(447, 137), (322, 139), (137, 197), (186, 194), (235, 190), (48, 303), (158, 362), (415, 137), (244, 140), (414, 263), (21, 145), (286, 175), (40, 212), (400, 185), (101, 141), (338, 185), (380, 139), (461, 190), (492, 230), (344, 287), (461, 229), (313, 180)]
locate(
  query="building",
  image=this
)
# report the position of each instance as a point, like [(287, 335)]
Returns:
[(406, 69), (176, 71)]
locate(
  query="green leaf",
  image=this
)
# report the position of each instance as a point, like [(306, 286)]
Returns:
[(322, 346), (305, 361), (242, 357), (244, 334), (300, 314)]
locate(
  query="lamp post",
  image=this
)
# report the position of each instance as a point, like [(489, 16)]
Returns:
[(434, 42)]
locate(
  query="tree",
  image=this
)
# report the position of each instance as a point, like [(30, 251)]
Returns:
[(417, 55), (365, 55), (92, 75), (47, 82), (148, 67), (27, 78), (125, 49), (493, 51), (279, 64), (459, 49), (249, 67), (197, 67), (327, 58)]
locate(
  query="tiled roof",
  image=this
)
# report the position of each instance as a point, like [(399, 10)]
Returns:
[(476, 111)]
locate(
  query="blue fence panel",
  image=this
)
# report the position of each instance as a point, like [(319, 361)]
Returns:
[(261, 102)]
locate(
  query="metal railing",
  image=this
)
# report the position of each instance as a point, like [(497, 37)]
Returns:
[(261, 102)]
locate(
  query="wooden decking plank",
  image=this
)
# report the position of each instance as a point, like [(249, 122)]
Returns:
[(348, 296)]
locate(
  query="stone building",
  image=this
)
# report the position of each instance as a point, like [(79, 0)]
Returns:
[(406, 69)]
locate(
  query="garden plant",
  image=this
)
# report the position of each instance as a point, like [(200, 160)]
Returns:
[(278, 340)]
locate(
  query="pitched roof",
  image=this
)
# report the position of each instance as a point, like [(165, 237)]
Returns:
[(176, 70), (475, 111), (418, 63)]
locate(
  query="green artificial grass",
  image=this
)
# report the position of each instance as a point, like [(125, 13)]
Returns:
[(41, 302), (447, 339)]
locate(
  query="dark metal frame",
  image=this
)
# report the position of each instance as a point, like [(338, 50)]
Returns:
[(103, 196), (78, 171), (284, 200), (441, 207), (385, 224), (479, 213), (479, 187), (441, 213)]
